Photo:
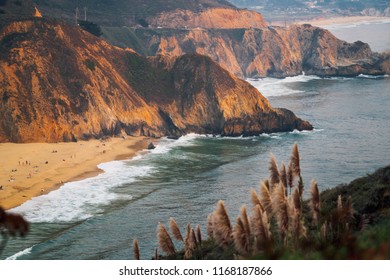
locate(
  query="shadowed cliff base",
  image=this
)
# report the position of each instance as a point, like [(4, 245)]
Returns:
[(60, 83)]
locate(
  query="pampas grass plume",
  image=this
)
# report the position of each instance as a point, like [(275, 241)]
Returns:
[(265, 199), (241, 237), (290, 176), (245, 220), (280, 208), (283, 175), (165, 241), (188, 235), (136, 251), (210, 226), (222, 225), (175, 229), (198, 234), (315, 202), (255, 198), (295, 161), (274, 171), (296, 200)]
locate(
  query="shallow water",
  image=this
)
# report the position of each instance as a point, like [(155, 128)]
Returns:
[(98, 218)]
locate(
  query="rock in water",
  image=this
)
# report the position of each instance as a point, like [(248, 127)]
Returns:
[(151, 146)]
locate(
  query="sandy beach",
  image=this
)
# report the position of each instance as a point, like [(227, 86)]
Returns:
[(323, 22), (29, 170)]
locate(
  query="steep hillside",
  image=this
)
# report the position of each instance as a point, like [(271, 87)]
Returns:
[(209, 18), (122, 12), (254, 52), (59, 83)]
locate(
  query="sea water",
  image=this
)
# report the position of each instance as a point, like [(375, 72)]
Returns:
[(99, 217)]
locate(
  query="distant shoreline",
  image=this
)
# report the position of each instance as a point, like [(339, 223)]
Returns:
[(330, 21), (324, 22), (33, 169)]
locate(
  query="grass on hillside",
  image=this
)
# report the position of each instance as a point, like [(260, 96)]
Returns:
[(347, 222)]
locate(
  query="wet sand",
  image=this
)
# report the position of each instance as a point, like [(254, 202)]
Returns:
[(29, 170)]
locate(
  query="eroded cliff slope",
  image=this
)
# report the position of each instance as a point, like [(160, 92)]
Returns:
[(259, 52), (59, 83)]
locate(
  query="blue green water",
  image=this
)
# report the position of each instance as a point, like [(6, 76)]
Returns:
[(98, 218)]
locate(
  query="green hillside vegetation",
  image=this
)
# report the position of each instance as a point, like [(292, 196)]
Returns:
[(348, 222)]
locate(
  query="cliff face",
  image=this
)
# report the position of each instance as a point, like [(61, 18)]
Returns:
[(59, 83), (239, 40), (208, 18), (259, 52)]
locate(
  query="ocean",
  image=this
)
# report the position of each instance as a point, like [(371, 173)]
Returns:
[(99, 217)]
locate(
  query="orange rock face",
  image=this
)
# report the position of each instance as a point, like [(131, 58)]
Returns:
[(59, 83), (270, 51), (210, 18)]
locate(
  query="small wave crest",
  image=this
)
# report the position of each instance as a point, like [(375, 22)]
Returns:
[(279, 87), (166, 144), (19, 254), (362, 76), (80, 200), (279, 135)]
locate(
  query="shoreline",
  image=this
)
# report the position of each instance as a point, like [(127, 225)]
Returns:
[(34, 169), (342, 20)]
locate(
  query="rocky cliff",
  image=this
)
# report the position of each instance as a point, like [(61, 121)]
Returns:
[(259, 52), (59, 83), (227, 18), (239, 40)]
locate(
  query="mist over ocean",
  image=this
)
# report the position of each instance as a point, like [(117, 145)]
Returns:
[(99, 217)]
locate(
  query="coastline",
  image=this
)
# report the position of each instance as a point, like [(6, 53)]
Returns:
[(325, 21), (32, 169)]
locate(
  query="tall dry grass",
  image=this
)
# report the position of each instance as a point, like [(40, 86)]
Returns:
[(277, 220), (175, 229), (136, 250), (295, 161), (274, 174), (165, 241), (210, 226), (199, 234), (222, 226), (241, 237), (281, 211), (265, 199), (315, 202)]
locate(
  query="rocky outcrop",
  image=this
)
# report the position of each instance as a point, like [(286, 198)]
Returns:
[(227, 18), (59, 83), (259, 52), (238, 39)]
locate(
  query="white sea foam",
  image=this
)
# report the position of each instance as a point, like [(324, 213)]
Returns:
[(279, 135), (19, 254), (372, 76), (279, 87), (165, 144), (80, 200)]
